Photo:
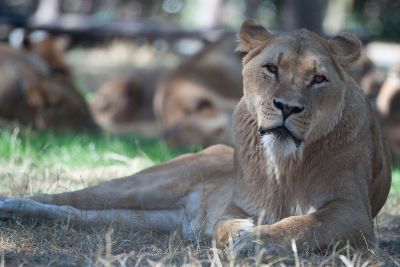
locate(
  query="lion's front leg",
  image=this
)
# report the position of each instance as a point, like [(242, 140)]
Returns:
[(316, 231)]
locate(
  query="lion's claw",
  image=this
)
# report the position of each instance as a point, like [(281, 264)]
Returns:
[(244, 245)]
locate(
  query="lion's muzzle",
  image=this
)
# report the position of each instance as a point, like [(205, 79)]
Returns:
[(281, 133)]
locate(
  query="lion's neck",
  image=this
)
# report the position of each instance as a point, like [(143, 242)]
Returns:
[(252, 153), (262, 179)]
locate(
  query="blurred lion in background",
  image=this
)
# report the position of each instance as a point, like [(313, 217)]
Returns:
[(388, 107), (194, 102), (37, 88), (124, 103), (368, 76), (189, 105)]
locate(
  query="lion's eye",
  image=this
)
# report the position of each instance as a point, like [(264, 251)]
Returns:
[(319, 78), (271, 68)]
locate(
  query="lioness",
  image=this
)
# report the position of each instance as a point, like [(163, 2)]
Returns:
[(124, 103), (195, 101), (192, 114), (36, 88), (309, 165)]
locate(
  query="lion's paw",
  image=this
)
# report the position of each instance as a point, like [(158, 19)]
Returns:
[(240, 227), (226, 232), (244, 245), (248, 245)]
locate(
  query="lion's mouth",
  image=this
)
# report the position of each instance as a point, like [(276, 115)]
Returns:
[(282, 133)]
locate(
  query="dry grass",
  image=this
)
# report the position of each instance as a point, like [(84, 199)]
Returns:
[(59, 244), (53, 244)]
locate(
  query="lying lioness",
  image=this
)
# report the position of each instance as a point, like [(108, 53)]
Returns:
[(194, 102), (124, 104), (310, 164), (37, 89)]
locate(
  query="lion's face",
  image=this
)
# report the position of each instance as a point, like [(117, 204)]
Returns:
[(57, 107), (294, 86), (117, 101)]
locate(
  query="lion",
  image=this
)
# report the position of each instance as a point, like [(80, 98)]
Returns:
[(39, 91), (195, 101), (368, 76), (309, 164), (124, 103), (388, 107), (192, 114), (51, 49)]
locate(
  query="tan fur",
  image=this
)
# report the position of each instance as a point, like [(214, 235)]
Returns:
[(327, 189), (52, 49)]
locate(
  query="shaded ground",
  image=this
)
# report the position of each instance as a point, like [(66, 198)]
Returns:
[(61, 245), (55, 244), (389, 236), (49, 163)]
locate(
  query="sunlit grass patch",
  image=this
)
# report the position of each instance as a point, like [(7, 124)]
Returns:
[(395, 190), (79, 149), (393, 203), (48, 162)]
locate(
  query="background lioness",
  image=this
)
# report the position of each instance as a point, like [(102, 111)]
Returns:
[(309, 164), (195, 101), (388, 106), (37, 88)]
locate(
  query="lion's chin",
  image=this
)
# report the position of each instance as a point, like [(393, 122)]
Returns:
[(280, 148)]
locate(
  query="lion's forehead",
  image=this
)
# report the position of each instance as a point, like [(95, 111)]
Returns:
[(290, 55)]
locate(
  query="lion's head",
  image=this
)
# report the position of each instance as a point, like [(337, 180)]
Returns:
[(294, 84), (117, 101), (56, 106)]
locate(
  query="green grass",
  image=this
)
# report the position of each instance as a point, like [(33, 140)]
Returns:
[(47, 162), (75, 150), (395, 189)]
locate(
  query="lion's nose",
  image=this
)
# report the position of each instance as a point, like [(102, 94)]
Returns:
[(286, 109)]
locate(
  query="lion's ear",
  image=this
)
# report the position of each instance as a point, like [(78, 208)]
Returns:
[(252, 35), (346, 47)]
